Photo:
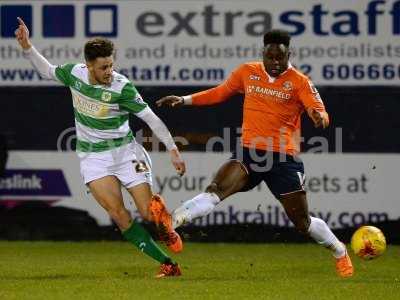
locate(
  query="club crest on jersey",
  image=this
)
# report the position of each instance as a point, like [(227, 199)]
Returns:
[(287, 86), (106, 96)]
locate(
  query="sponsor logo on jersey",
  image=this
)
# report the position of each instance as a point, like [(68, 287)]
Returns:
[(268, 92), (254, 77), (90, 108), (250, 89)]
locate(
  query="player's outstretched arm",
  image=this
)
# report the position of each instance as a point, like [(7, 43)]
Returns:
[(45, 69), (211, 96), (231, 86)]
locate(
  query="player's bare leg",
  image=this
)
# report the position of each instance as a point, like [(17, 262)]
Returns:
[(141, 195), (107, 192), (296, 207), (144, 198), (230, 179)]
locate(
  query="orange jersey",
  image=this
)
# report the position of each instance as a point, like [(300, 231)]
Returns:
[(272, 106)]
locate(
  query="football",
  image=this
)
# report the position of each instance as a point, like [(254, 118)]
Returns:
[(368, 242)]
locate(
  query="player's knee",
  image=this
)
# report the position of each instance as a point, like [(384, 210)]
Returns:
[(302, 224), (118, 214), (213, 188), (146, 215)]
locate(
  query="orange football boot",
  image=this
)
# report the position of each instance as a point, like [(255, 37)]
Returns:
[(169, 270), (163, 220), (344, 267)]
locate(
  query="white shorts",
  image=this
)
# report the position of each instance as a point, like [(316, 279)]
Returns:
[(130, 163)]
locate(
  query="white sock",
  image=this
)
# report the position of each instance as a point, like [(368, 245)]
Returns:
[(199, 206), (321, 233)]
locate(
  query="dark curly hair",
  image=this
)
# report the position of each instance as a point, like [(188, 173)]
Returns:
[(277, 36), (98, 47)]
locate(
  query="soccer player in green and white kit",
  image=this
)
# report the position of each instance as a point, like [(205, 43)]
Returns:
[(109, 155)]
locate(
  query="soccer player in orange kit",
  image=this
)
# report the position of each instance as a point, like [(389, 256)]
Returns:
[(276, 95)]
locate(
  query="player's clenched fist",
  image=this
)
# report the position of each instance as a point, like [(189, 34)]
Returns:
[(320, 119)]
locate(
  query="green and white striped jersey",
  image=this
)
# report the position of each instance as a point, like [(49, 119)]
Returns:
[(101, 112)]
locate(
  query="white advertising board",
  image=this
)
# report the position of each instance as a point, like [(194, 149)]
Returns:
[(335, 42), (343, 189)]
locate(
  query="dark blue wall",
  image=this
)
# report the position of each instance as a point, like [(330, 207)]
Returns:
[(32, 118)]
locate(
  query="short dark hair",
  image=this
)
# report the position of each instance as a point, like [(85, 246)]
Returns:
[(98, 47), (277, 36)]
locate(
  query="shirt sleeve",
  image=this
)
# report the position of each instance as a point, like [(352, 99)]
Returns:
[(158, 127), (63, 74), (40, 63), (231, 86), (309, 96), (235, 80), (130, 100)]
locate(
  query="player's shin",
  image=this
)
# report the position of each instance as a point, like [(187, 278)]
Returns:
[(198, 206), (321, 233), (138, 236)]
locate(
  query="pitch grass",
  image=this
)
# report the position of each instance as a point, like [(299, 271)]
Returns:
[(115, 270)]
